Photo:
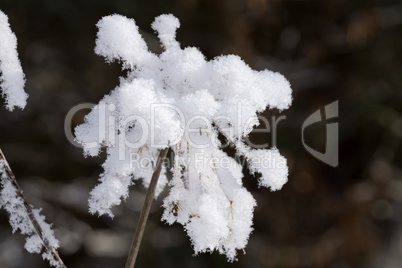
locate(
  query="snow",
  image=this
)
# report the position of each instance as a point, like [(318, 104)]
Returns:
[(180, 100), (19, 219), (12, 77), (166, 26), (12, 85)]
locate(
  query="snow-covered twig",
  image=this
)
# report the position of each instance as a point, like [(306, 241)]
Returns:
[(25, 218)]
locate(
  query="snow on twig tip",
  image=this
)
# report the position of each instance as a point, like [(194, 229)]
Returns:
[(12, 78)]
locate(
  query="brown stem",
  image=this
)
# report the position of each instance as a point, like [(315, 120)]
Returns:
[(28, 208), (135, 246)]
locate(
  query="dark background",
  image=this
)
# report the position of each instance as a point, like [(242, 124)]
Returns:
[(330, 50)]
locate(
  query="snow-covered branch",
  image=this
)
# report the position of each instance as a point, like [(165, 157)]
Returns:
[(26, 219)]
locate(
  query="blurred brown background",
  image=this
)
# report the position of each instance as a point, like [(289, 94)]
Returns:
[(350, 51)]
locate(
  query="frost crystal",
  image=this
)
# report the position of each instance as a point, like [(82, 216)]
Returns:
[(180, 100), (12, 77), (14, 204)]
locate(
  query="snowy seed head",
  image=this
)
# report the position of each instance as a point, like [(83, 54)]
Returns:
[(181, 100)]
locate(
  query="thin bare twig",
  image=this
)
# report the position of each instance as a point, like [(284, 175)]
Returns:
[(28, 208), (135, 246)]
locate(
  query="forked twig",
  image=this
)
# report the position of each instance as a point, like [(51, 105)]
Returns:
[(38, 229), (135, 246)]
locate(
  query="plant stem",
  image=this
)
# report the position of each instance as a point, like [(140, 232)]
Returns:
[(28, 208), (135, 246)]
